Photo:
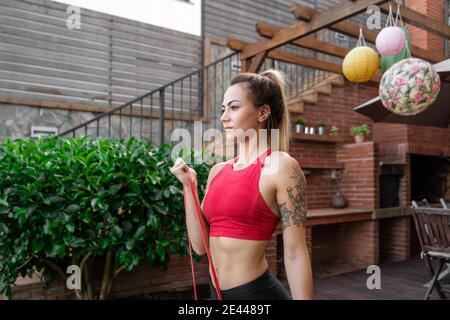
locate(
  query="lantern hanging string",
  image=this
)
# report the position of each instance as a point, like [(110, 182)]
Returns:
[(361, 40), (398, 17), (406, 52), (390, 20)]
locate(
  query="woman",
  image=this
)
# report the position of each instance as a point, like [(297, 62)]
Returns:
[(247, 196)]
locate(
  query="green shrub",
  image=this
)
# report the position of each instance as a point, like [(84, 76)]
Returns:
[(75, 200)]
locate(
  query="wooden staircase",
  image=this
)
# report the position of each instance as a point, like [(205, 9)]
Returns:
[(311, 94)]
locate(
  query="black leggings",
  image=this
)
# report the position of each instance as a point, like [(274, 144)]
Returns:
[(265, 287)]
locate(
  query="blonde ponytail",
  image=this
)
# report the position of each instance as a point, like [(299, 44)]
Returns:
[(284, 125)]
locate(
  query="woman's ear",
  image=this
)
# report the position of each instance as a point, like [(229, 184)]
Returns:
[(264, 113)]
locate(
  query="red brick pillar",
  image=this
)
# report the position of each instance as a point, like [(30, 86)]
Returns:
[(423, 38), (360, 182), (405, 183)]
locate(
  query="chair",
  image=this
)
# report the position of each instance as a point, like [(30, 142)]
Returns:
[(445, 204), (420, 204), (433, 230)]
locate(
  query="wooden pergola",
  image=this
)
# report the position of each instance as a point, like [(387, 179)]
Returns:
[(252, 55)]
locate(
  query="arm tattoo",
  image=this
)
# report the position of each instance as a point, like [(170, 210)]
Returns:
[(297, 198)]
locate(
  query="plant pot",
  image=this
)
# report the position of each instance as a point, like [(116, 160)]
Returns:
[(321, 130), (338, 201), (299, 128), (359, 138)]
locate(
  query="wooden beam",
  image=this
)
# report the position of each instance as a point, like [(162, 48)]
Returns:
[(268, 31), (421, 20), (287, 57), (300, 29), (352, 29), (256, 63), (305, 13)]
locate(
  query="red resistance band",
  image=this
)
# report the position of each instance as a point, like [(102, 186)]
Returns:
[(204, 237)]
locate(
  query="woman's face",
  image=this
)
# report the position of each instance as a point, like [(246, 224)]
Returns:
[(238, 112)]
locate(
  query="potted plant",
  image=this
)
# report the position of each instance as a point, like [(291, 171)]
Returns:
[(321, 127), (334, 131), (299, 125), (359, 132)]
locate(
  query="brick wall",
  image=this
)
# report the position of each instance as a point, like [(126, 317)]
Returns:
[(360, 243), (396, 143), (392, 140), (356, 243), (360, 180), (421, 37), (395, 239), (428, 140), (405, 184), (337, 110)]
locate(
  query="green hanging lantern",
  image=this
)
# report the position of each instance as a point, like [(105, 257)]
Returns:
[(389, 61)]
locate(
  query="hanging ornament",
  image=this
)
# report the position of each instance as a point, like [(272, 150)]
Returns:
[(389, 61), (391, 40), (361, 63), (409, 87)]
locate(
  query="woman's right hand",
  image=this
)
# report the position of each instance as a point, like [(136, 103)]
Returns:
[(179, 170)]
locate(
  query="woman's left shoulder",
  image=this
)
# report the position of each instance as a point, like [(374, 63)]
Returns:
[(284, 159), (282, 165)]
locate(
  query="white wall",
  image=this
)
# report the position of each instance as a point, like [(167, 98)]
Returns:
[(172, 14)]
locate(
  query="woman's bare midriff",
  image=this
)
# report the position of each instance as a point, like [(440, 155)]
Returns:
[(237, 261)]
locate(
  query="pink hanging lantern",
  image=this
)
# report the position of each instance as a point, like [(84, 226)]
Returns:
[(390, 41)]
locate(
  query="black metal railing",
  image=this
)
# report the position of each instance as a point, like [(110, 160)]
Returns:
[(194, 97)]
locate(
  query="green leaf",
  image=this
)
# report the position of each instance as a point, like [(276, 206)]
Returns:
[(117, 231), (134, 185), (130, 244), (55, 199), (114, 189), (19, 213), (166, 193), (3, 202), (76, 242), (161, 210), (173, 190), (140, 233), (72, 208), (57, 249), (153, 221), (70, 227), (161, 251), (38, 245), (3, 229)]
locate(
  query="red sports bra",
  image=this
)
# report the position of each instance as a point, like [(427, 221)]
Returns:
[(234, 207)]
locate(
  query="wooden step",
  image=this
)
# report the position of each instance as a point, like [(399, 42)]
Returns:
[(310, 97), (337, 81), (324, 89), (296, 105)]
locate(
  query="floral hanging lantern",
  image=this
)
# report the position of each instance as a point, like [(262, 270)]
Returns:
[(409, 87)]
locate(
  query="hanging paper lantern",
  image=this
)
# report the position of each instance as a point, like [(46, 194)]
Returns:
[(360, 64), (390, 41), (409, 87), (405, 53)]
